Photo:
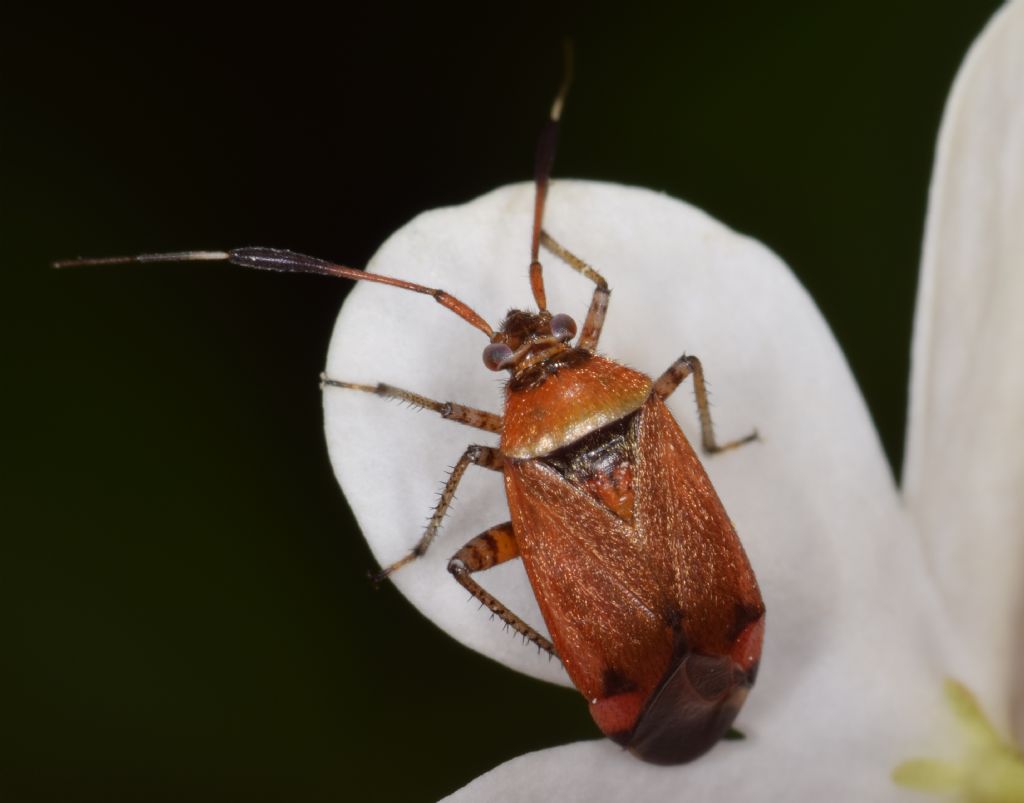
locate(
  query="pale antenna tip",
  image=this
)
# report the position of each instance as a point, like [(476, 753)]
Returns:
[(563, 90), (177, 256)]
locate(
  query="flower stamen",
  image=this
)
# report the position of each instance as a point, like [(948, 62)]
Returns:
[(991, 770)]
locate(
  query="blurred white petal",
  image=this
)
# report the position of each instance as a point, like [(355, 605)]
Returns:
[(964, 469)]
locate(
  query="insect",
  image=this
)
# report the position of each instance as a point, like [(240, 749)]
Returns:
[(648, 597)]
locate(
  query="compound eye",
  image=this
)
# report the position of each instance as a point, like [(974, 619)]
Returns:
[(497, 356), (563, 326)]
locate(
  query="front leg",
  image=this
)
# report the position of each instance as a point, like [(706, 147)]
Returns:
[(453, 411), (594, 322), (667, 383), (485, 456)]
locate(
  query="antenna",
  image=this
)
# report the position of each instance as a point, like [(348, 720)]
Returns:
[(545, 160), (275, 259)]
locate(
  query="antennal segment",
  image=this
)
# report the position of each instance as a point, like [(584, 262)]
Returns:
[(176, 256), (282, 261), (545, 159)]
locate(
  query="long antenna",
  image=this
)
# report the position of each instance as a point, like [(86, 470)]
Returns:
[(543, 163), (281, 261)]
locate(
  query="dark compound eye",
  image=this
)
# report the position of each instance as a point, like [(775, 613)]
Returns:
[(497, 356), (563, 326)]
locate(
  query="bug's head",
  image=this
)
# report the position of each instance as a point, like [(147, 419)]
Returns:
[(531, 341)]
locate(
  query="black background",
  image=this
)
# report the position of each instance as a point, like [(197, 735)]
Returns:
[(185, 610)]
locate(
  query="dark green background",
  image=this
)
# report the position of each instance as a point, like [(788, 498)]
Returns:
[(185, 614)]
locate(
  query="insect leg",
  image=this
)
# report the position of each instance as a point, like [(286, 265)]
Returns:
[(671, 379), (485, 456), (488, 549), (470, 416), (598, 303)]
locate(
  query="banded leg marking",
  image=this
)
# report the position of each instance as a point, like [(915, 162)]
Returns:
[(485, 456), (598, 303), (453, 411), (496, 545), (678, 371)]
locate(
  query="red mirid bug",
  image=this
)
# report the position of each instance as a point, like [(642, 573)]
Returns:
[(650, 601)]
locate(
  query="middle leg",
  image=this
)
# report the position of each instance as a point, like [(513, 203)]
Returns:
[(485, 456), (667, 383)]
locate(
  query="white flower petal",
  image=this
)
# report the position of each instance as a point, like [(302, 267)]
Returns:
[(769, 767), (814, 501), (592, 771), (850, 611), (867, 699), (964, 469), (813, 497)]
